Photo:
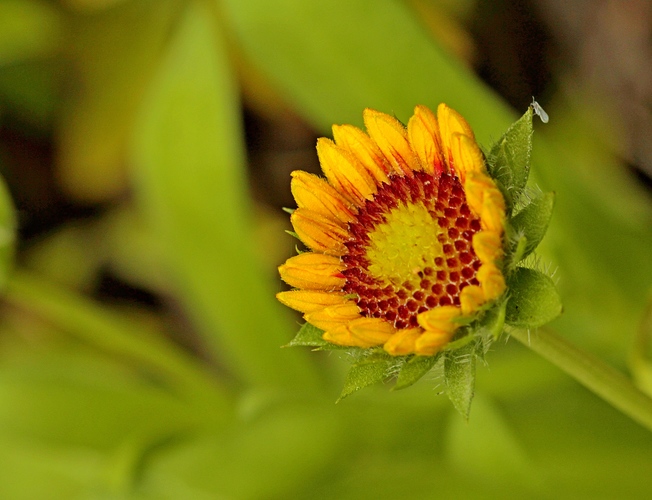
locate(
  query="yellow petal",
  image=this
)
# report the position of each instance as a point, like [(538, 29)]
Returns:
[(450, 123), (345, 173), (471, 298), (342, 336), (431, 342), (318, 232), (476, 185), (313, 271), (402, 342), (374, 331), (465, 156), (316, 194), (423, 134), (491, 280), (333, 316), (488, 246), (310, 301), (391, 137), (364, 149), (440, 319), (492, 216)]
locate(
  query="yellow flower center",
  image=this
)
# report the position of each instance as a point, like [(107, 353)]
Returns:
[(404, 245), (411, 249)]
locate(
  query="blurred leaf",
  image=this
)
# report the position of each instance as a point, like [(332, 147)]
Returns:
[(101, 328), (27, 29), (534, 300), (532, 222), (459, 375), (71, 255), (190, 171), (271, 457), (133, 251), (90, 401), (509, 159), (308, 335), (7, 234), (373, 368), (640, 360), (487, 448), (30, 470), (415, 368), (334, 59), (116, 52)]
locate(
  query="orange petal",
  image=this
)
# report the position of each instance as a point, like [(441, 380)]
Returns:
[(402, 342), (488, 246), (450, 123), (316, 194), (440, 319), (364, 149), (333, 316), (465, 156), (431, 342), (313, 271), (345, 173), (423, 134), (391, 137), (374, 331), (318, 232), (310, 301), (471, 298), (341, 335), (491, 281)]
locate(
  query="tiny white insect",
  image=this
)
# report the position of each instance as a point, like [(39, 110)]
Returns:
[(538, 110)]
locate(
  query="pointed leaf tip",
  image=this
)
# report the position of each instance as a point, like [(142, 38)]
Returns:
[(459, 374), (509, 159)]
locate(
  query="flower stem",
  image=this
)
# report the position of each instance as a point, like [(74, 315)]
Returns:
[(590, 371)]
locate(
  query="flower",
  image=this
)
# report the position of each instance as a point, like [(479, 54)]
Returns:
[(405, 234)]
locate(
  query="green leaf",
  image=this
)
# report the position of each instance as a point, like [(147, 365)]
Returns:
[(459, 374), (534, 300), (308, 335), (415, 368), (368, 371), (190, 170), (532, 222), (509, 159)]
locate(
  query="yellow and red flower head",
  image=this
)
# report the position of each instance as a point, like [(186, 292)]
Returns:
[(405, 232)]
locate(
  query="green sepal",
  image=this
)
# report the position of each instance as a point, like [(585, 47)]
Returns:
[(413, 369), (509, 160), (459, 376), (532, 222), (533, 301), (308, 335), (367, 371), (493, 321)]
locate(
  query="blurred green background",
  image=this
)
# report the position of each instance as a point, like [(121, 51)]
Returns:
[(147, 145)]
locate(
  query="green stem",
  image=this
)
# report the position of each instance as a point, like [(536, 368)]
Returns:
[(590, 371)]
